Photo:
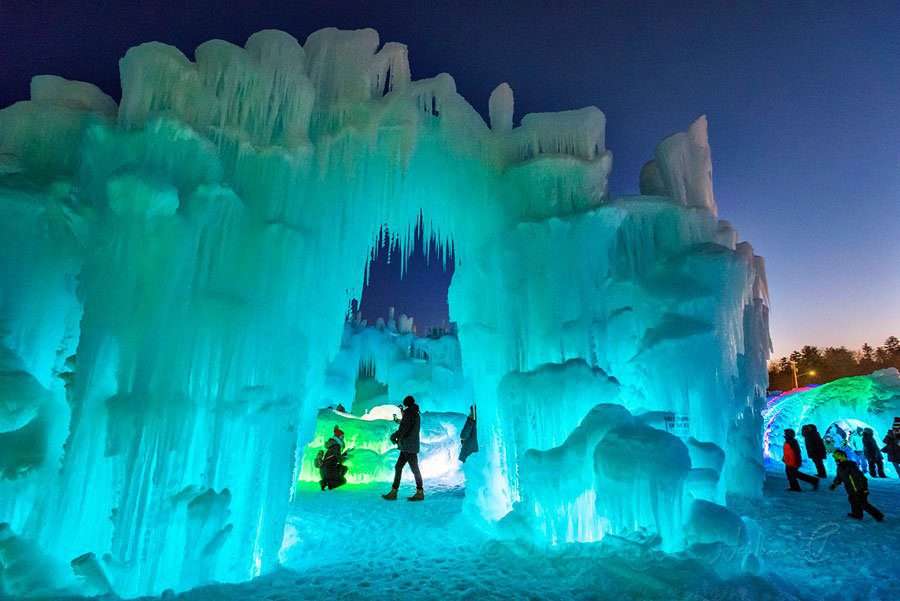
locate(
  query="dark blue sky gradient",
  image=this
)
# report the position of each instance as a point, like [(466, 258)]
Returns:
[(803, 100), (419, 290)]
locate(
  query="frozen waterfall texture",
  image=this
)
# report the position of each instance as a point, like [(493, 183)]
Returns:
[(175, 272)]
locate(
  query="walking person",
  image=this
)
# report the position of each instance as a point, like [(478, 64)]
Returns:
[(792, 460), (892, 448), (407, 438), (815, 448), (873, 454), (856, 486)]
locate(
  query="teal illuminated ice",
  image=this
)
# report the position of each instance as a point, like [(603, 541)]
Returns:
[(174, 272)]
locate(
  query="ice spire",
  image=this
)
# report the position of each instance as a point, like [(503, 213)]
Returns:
[(500, 108)]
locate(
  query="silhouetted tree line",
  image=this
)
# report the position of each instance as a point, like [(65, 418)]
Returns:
[(815, 365)]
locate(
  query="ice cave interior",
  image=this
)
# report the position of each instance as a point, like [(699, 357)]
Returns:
[(174, 280)]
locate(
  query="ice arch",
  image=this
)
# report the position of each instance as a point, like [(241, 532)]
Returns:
[(175, 272), (863, 401)]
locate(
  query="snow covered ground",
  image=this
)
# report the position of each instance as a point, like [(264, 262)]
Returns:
[(811, 543), (430, 550)]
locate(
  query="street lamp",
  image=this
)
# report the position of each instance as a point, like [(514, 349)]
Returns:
[(811, 372)]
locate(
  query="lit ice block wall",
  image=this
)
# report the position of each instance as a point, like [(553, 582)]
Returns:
[(174, 273), (376, 367), (371, 455)]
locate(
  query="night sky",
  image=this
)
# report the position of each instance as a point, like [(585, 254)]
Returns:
[(419, 290), (803, 101)]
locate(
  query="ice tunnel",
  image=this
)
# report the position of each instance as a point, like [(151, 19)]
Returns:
[(176, 267), (837, 408)]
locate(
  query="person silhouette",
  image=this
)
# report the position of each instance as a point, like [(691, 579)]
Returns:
[(873, 454), (815, 448), (407, 439), (856, 486), (792, 460), (331, 462), (892, 448)]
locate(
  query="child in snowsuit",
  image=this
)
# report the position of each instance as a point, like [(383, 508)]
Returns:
[(792, 460), (857, 487), (873, 454), (815, 448)]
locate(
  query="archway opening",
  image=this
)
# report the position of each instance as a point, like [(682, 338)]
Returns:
[(847, 434), (388, 352), (411, 281)]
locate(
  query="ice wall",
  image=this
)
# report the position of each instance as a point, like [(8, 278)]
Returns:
[(392, 361), (175, 271), (648, 292)]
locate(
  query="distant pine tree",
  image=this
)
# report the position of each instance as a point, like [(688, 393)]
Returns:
[(815, 366), (866, 358)]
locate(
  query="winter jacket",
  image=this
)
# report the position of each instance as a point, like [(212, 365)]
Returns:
[(892, 447), (873, 453), (468, 438), (849, 474), (407, 435), (792, 456), (333, 468), (815, 446)]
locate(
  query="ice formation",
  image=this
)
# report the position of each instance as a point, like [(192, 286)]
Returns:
[(382, 363), (174, 276), (860, 401)]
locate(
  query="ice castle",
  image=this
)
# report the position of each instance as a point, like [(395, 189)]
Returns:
[(175, 270)]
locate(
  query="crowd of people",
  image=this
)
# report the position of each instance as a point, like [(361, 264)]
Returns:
[(853, 454)]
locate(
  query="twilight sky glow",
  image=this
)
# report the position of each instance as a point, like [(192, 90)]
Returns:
[(803, 101)]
